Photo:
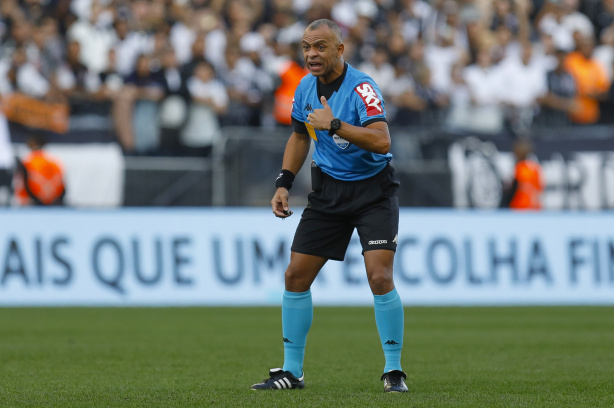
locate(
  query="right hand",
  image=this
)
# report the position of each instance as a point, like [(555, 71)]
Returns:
[(280, 203)]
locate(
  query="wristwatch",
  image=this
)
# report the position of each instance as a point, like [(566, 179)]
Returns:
[(335, 124)]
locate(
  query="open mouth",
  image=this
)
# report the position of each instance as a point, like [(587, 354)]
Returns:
[(315, 66)]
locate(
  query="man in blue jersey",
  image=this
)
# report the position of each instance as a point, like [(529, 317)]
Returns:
[(342, 110)]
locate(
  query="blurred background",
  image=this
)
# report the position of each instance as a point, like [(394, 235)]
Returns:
[(186, 102), (129, 104)]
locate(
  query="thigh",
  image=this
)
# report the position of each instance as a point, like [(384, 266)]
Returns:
[(378, 226), (302, 271), (323, 235)]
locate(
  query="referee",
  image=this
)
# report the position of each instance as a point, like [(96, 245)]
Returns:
[(354, 186)]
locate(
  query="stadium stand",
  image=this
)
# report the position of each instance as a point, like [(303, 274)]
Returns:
[(125, 72)]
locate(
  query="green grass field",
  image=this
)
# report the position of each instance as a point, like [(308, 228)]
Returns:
[(208, 357)]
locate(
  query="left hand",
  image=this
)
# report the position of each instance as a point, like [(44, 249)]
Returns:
[(320, 118)]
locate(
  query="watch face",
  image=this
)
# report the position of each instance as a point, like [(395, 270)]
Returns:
[(335, 124)]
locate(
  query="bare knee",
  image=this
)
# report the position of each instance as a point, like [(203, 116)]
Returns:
[(296, 281), (302, 271), (381, 281)]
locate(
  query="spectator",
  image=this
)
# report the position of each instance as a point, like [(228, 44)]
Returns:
[(416, 54), (604, 17), (39, 179), (503, 15), (253, 46), (128, 45), (520, 83), (50, 47), (75, 80), (404, 103), (507, 46), (397, 47), (431, 102), (379, 68), (238, 76), (110, 80), (452, 31), (459, 91), (558, 101), (20, 34), (95, 36), (479, 84), (23, 77), (414, 17), (561, 19), (174, 106), (438, 33), (482, 80), (591, 81), (197, 55), (209, 101), (135, 110), (441, 55)]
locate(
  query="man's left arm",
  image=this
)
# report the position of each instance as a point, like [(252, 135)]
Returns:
[(374, 137)]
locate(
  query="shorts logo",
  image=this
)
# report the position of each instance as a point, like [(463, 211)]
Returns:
[(378, 242), (341, 142), (394, 241), (369, 97)]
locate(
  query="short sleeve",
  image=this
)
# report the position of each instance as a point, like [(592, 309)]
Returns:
[(297, 112), (369, 103)]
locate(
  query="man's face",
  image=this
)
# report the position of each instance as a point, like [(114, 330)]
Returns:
[(321, 50)]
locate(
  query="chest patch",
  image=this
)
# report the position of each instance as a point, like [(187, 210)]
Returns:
[(341, 142)]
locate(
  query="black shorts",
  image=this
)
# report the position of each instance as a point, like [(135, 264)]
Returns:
[(332, 213)]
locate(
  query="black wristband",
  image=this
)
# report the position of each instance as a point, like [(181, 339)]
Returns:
[(285, 179)]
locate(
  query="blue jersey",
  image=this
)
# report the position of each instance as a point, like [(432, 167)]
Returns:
[(358, 102)]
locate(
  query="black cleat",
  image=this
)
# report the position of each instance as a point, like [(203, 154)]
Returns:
[(280, 380), (394, 381)]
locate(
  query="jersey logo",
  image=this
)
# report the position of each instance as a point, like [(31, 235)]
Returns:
[(308, 107), (369, 97), (341, 142)]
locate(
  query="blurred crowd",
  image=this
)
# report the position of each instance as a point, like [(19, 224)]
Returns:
[(172, 73)]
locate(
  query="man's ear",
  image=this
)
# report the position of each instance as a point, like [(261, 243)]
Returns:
[(340, 49)]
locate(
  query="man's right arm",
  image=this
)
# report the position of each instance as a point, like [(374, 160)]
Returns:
[(295, 154)]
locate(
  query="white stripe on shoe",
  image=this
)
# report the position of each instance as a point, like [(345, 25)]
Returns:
[(287, 382)]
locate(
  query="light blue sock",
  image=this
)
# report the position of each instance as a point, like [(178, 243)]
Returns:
[(296, 318), (389, 319)]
